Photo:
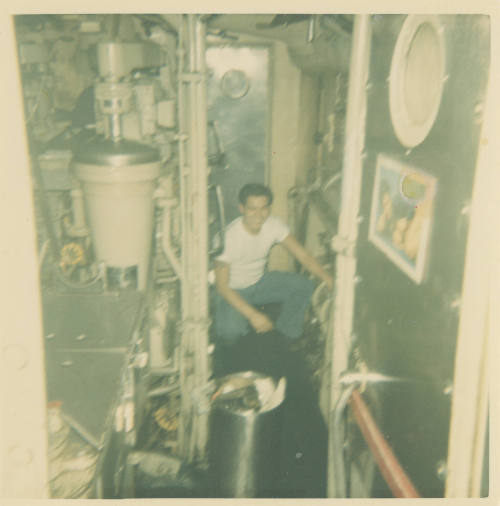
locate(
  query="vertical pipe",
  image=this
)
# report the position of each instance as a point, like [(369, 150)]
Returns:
[(202, 165), (182, 149), (191, 225), (195, 245), (336, 441), (115, 127), (348, 223), (182, 183), (201, 342)]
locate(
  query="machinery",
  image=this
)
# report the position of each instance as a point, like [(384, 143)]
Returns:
[(117, 166), (141, 128)]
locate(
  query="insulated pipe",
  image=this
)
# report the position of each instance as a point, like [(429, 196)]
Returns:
[(201, 337), (188, 381), (202, 180), (351, 187), (348, 219), (182, 136), (390, 468), (195, 332), (194, 261)]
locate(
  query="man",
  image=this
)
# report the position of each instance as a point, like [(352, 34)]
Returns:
[(243, 284), (247, 339)]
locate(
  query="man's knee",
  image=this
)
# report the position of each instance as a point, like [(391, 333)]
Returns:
[(307, 286), (300, 285), (293, 281), (230, 329)]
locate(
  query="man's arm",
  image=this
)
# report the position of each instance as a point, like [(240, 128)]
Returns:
[(307, 261), (259, 321)]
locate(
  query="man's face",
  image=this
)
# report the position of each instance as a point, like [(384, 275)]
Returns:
[(255, 212)]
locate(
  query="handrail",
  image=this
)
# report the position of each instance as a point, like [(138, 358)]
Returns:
[(388, 464)]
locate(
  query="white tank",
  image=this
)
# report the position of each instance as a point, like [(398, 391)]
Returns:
[(118, 180)]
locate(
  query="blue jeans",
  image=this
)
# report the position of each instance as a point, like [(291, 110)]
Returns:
[(293, 291)]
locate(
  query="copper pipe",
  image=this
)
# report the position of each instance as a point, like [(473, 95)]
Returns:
[(390, 468)]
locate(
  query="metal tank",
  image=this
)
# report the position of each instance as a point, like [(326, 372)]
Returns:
[(245, 435), (118, 180)]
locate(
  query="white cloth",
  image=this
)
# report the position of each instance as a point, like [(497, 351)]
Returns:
[(246, 253)]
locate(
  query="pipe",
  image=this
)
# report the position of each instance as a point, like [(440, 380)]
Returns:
[(165, 240), (202, 182), (84, 433), (115, 127), (311, 29), (390, 468), (182, 113), (182, 138), (316, 199), (348, 223), (157, 392), (337, 443), (43, 202), (190, 223), (332, 23), (201, 338), (164, 371), (336, 177)]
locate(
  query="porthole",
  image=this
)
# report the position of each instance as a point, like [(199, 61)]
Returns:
[(235, 83), (417, 78)]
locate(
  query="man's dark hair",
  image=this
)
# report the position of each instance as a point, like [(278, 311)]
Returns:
[(255, 190)]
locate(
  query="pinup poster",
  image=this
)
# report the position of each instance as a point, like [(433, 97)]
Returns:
[(401, 215)]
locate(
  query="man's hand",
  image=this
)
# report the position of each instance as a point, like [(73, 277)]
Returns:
[(260, 322), (309, 262)]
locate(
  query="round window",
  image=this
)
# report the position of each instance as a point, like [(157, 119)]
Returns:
[(235, 83), (417, 77)]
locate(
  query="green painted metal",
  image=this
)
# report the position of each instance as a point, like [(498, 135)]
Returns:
[(404, 329)]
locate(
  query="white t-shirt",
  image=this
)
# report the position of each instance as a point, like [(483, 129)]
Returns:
[(246, 253)]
